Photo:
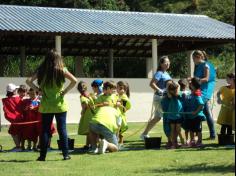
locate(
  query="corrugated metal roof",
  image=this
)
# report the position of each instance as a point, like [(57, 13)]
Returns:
[(61, 20)]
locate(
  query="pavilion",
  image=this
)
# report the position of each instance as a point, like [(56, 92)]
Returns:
[(27, 30)]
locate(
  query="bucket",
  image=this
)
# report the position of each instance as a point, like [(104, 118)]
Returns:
[(153, 143), (226, 139), (70, 144)]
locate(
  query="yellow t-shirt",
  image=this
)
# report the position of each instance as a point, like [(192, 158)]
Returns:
[(226, 113)]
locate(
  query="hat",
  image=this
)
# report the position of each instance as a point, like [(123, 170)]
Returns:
[(97, 83), (11, 87)]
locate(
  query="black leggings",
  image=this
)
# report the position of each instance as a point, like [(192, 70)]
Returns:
[(228, 128)]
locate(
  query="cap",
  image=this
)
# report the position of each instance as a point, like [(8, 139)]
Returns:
[(11, 87), (97, 82)]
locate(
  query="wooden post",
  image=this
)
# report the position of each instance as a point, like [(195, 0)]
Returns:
[(190, 64), (149, 67), (58, 44), (154, 55)]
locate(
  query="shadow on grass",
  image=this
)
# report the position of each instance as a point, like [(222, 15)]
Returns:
[(15, 161), (206, 147), (197, 168)]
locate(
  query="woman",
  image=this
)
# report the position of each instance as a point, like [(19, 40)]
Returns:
[(51, 76), (206, 72), (158, 84)]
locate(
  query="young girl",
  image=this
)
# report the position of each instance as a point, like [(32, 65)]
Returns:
[(86, 113), (194, 106), (225, 97), (124, 106), (172, 107), (104, 122), (31, 114), (13, 113)]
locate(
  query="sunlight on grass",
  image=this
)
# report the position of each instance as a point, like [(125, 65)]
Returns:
[(135, 160)]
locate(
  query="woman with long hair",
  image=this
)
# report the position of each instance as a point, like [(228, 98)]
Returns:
[(51, 76), (158, 84)]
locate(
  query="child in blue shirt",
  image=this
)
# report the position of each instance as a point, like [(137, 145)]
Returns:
[(173, 109), (194, 105), (183, 83)]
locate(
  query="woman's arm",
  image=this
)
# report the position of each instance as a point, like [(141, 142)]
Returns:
[(30, 82), (73, 82), (206, 75), (219, 100), (153, 85)]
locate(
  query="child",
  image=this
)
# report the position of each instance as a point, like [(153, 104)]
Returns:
[(22, 92), (172, 108), (86, 113), (225, 97), (97, 86), (31, 114), (194, 106), (13, 113), (184, 92), (105, 122), (124, 106)]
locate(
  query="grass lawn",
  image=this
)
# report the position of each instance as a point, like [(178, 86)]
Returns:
[(210, 160)]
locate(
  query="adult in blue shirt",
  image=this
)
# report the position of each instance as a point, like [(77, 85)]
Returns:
[(158, 84), (206, 72)]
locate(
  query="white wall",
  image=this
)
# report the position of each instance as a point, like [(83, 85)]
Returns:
[(141, 99)]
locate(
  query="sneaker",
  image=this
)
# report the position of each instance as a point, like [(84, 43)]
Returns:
[(103, 146), (93, 151), (143, 136), (16, 149)]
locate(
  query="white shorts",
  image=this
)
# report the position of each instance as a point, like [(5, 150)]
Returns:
[(157, 106)]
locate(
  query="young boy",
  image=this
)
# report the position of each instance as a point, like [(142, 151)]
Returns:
[(194, 104), (105, 123)]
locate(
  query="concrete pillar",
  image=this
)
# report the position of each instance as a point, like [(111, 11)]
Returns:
[(79, 66), (154, 55), (111, 63), (22, 61), (149, 67), (190, 64), (58, 44)]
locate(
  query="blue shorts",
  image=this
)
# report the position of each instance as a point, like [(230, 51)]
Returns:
[(104, 132)]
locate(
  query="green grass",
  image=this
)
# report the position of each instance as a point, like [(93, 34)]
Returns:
[(211, 160)]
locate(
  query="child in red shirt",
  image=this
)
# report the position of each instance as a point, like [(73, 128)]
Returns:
[(13, 113)]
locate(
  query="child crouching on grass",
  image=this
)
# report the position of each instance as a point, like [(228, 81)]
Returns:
[(106, 122), (194, 105), (173, 109)]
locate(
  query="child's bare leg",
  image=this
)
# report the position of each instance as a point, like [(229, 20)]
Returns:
[(121, 139), (88, 140), (16, 141), (173, 134), (199, 134), (29, 144), (186, 135), (93, 139), (191, 136), (178, 129)]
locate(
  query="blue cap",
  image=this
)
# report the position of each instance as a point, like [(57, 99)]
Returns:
[(97, 83)]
